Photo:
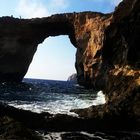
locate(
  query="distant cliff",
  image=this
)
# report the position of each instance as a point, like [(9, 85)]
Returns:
[(73, 78)]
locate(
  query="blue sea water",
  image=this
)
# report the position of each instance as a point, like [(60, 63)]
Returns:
[(58, 97), (49, 96)]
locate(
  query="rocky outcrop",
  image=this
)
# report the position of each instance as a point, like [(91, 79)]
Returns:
[(73, 78), (64, 123), (107, 58), (13, 130), (120, 70), (20, 37), (89, 36)]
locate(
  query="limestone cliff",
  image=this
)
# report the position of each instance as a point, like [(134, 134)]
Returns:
[(121, 49), (20, 37), (89, 36), (107, 58), (120, 68)]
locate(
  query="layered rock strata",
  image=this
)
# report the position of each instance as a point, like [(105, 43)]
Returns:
[(107, 58), (20, 37), (120, 68)]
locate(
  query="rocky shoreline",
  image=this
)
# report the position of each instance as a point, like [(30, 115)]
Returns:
[(20, 124), (107, 58)]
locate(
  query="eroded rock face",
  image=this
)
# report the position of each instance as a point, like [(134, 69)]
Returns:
[(20, 37), (89, 36), (121, 49), (107, 58), (120, 70)]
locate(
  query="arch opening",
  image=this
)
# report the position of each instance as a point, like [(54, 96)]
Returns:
[(53, 60)]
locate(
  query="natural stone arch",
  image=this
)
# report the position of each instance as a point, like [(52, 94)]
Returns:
[(122, 81), (20, 37)]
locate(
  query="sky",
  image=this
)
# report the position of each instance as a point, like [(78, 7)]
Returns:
[(55, 57)]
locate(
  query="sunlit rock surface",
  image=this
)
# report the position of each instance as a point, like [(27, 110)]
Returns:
[(20, 37), (120, 70), (107, 58)]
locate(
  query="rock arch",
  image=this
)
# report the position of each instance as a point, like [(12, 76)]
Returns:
[(108, 53), (20, 37)]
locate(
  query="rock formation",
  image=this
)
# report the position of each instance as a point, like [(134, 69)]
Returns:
[(73, 78), (20, 37), (107, 58), (120, 68)]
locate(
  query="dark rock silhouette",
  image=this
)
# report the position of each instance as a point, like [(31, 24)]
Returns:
[(107, 58), (20, 37)]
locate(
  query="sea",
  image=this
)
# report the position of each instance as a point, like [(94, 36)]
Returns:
[(55, 97), (49, 96)]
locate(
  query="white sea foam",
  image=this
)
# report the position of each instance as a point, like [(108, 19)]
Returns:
[(100, 99), (62, 104), (57, 135)]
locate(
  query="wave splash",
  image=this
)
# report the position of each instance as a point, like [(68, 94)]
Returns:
[(53, 97)]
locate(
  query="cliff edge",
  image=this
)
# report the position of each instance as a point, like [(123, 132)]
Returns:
[(120, 68), (107, 57)]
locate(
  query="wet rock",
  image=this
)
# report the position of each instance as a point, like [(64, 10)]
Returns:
[(14, 121), (78, 136), (28, 118), (83, 135), (13, 130)]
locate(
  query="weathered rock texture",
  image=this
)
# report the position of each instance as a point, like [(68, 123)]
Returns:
[(120, 68), (20, 37), (89, 36), (107, 58)]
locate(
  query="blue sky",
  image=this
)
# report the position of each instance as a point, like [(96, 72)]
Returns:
[(55, 57)]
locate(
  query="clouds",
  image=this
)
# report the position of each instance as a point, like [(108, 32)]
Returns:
[(43, 8), (36, 8), (30, 9)]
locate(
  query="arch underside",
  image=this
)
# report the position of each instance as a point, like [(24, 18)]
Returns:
[(20, 40)]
